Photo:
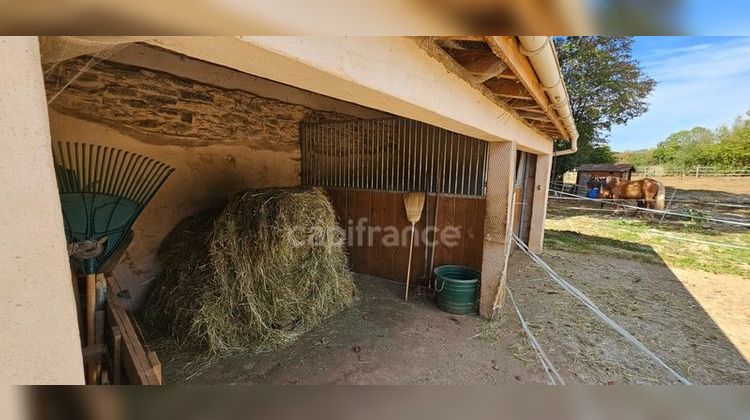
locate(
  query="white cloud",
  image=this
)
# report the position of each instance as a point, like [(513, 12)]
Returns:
[(702, 84)]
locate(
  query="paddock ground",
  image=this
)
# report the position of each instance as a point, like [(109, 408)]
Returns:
[(710, 187), (681, 286)]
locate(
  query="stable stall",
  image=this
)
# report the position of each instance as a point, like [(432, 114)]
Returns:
[(446, 142)]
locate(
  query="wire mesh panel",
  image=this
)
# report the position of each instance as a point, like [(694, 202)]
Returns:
[(394, 155)]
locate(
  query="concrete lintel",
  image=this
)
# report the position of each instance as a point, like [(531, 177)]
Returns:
[(535, 145), (391, 74)]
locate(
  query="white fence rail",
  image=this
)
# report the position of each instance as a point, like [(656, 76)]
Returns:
[(696, 171)]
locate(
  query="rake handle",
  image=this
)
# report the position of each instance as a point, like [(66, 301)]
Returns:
[(408, 270), (90, 308), (90, 322)]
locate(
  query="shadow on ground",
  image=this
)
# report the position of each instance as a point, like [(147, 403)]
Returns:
[(678, 319), (380, 340)]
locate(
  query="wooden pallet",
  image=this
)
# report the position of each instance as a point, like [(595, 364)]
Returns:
[(129, 357)]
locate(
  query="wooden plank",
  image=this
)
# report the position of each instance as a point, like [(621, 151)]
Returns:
[(93, 353), (155, 365), (362, 250), (445, 219), (377, 220), (459, 218), (350, 218), (469, 232), (397, 270), (389, 250), (429, 223), (136, 364), (507, 87), (417, 266), (401, 259), (507, 74), (480, 234), (468, 247), (116, 350)]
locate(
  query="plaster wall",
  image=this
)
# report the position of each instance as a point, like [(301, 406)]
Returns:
[(204, 177), (39, 340)]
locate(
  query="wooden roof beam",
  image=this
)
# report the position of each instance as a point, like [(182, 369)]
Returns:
[(507, 74), (482, 66), (511, 96), (506, 47), (507, 87), (534, 109), (535, 117)]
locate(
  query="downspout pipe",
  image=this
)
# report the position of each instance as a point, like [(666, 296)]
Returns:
[(541, 53)]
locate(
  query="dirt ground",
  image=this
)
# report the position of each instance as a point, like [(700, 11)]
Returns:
[(687, 300), (696, 321), (720, 197), (652, 303), (716, 187), (380, 340)]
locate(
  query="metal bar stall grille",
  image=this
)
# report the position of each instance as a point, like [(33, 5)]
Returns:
[(392, 154)]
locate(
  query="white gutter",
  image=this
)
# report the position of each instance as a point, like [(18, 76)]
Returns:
[(541, 54)]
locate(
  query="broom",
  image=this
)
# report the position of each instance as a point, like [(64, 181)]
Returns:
[(413, 203)]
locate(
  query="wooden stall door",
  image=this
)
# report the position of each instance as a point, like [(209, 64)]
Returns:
[(523, 194), (382, 209)]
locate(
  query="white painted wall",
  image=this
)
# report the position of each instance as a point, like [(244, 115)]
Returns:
[(39, 339)]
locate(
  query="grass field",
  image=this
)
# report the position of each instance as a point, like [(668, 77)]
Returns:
[(680, 242), (692, 246)]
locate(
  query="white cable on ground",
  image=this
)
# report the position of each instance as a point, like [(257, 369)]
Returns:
[(552, 374), (599, 200), (592, 306)]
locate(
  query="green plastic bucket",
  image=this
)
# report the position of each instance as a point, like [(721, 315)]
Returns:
[(456, 288)]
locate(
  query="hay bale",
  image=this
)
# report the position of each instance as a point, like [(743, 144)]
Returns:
[(253, 275)]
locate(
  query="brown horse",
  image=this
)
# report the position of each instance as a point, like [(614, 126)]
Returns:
[(647, 189)]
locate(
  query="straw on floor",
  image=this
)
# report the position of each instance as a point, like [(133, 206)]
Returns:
[(253, 275)]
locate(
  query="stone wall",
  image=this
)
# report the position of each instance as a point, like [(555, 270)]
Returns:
[(160, 108), (218, 140)]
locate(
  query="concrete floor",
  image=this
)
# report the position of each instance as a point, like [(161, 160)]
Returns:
[(384, 340)]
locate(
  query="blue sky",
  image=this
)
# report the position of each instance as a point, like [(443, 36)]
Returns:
[(702, 81), (714, 17)]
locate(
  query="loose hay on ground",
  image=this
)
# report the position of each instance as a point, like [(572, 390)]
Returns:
[(253, 275)]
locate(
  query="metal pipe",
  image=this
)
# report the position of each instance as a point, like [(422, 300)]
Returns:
[(541, 53)]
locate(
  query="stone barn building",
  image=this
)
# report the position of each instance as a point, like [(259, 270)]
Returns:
[(470, 120)]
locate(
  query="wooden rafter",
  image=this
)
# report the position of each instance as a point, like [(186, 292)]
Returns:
[(507, 87), (481, 65), (506, 47), (507, 74), (497, 66)]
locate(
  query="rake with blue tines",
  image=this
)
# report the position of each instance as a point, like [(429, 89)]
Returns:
[(103, 190)]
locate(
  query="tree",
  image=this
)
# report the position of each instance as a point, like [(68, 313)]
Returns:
[(727, 146), (638, 158), (606, 86), (686, 148)]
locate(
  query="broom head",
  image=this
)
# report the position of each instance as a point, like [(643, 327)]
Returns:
[(414, 203)]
